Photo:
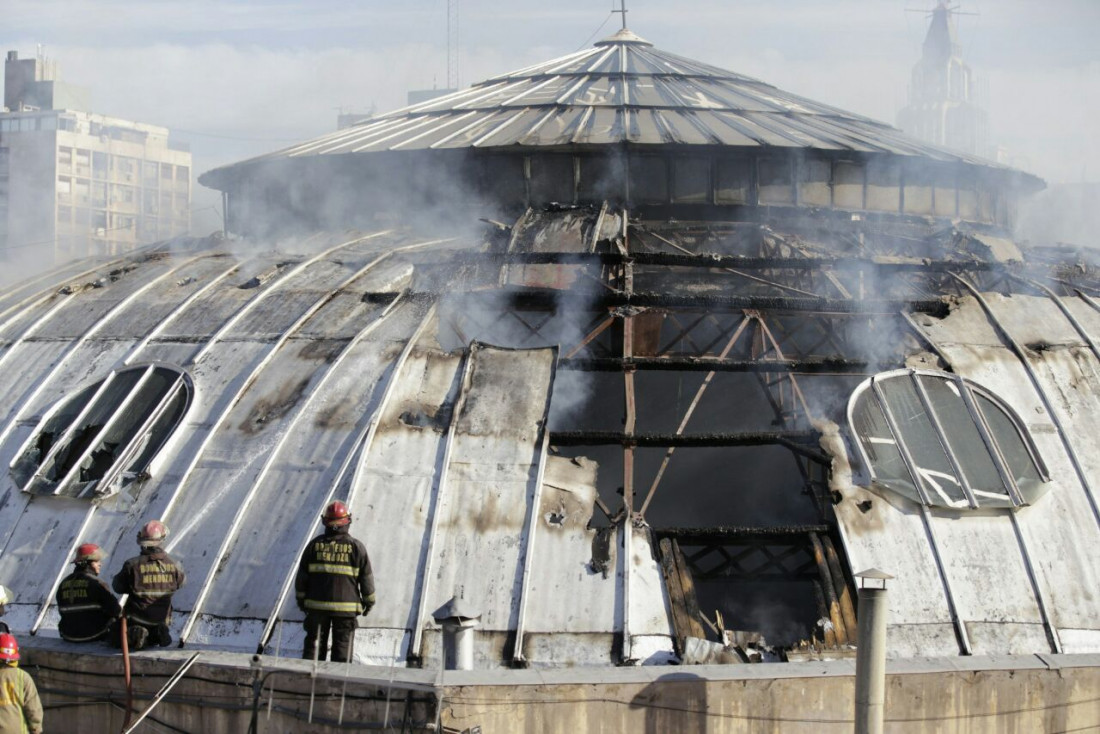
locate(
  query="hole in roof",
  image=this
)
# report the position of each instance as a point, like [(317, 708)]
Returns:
[(105, 436)]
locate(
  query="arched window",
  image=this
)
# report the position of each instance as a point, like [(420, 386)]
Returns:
[(941, 440), (103, 437)]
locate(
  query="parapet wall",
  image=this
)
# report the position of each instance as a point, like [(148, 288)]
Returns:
[(222, 692)]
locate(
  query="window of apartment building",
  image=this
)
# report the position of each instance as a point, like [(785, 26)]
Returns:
[(149, 173), (82, 159), (125, 167), (166, 171), (105, 436), (81, 190), (66, 123), (99, 222), (64, 158), (99, 165), (47, 123), (122, 194), (149, 203), (944, 441), (26, 124), (64, 187), (99, 193), (183, 173)]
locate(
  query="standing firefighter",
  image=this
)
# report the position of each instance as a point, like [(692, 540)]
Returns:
[(334, 585), (20, 707), (88, 608), (150, 579), (6, 598)]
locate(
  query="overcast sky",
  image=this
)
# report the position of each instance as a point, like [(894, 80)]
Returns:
[(235, 78)]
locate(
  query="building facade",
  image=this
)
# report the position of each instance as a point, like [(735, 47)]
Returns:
[(77, 184)]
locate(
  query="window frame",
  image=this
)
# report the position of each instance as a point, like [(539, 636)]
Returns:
[(968, 392), (122, 462)]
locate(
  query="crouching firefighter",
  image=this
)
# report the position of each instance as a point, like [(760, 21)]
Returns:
[(334, 585), (89, 611), (150, 579)]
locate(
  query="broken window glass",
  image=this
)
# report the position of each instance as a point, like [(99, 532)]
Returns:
[(104, 437), (943, 441)]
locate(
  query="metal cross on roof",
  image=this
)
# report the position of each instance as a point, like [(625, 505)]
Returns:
[(622, 11)]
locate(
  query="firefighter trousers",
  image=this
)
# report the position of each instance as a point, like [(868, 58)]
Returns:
[(317, 626)]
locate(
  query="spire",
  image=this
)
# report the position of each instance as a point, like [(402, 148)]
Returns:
[(941, 42)]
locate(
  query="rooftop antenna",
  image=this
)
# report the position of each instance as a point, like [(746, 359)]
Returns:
[(622, 11), (452, 44)]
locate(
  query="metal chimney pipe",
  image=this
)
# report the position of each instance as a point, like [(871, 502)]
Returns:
[(459, 620), (871, 656)]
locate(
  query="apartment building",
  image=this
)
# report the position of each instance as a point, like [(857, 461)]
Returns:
[(75, 183)]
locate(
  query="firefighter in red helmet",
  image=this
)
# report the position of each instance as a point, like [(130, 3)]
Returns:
[(20, 707), (334, 585), (6, 598), (150, 579), (88, 608)]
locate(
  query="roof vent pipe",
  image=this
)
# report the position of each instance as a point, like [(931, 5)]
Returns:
[(459, 621), (871, 653)]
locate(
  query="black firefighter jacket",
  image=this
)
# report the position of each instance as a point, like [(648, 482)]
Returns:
[(86, 605), (334, 575), (150, 579)]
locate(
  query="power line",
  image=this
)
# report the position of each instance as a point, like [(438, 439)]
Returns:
[(589, 39)]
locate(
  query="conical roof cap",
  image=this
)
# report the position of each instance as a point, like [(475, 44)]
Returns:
[(622, 90)]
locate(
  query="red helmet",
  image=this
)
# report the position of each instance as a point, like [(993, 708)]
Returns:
[(336, 515), (9, 648), (88, 552), (152, 533)]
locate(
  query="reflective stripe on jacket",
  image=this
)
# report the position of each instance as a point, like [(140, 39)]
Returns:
[(334, 575), (20, 707), (86, 605), (150, 579)]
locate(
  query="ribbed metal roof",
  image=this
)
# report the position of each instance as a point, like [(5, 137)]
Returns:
[(622, 90)]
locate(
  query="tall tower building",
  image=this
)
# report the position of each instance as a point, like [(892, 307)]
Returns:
[(74, 183), (943, 97)]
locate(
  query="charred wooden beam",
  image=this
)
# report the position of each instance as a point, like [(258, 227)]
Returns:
[(662, 440), (735, 535), (710, 364), (563, 300), (739, 262)]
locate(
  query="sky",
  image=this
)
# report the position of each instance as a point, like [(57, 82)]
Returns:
[(237, 78)]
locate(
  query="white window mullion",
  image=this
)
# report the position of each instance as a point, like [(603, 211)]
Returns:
[(92, 445)]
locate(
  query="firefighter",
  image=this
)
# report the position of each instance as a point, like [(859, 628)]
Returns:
[(6, 598), (20, 707), (150, 579), (88, 608), (333, 586)]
